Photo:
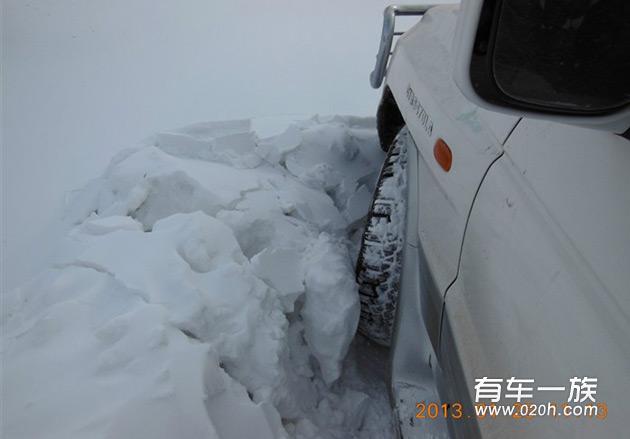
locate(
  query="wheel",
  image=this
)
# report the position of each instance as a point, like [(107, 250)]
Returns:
[(379, 261)]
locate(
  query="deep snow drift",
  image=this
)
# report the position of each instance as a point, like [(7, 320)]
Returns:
[(206, 289)]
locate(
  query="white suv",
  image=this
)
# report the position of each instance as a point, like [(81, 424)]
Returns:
[(508, 284)]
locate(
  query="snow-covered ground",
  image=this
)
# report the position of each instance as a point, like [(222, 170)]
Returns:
[(206, 289)]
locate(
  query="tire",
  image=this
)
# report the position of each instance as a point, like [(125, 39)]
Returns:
[(380, 257)]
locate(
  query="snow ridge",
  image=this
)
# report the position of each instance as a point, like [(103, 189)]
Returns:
[(206, 289)]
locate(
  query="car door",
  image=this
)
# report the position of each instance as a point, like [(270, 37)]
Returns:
[(543, 287)]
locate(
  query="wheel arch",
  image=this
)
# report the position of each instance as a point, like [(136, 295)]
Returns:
[(389, 119)]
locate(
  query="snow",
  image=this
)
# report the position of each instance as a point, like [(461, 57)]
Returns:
[(205, 289), (82, 80)]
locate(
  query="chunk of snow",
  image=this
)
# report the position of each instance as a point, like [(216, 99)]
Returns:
[(331, 309), (100, 226), (207, 290), (358, 204), (282, 269)]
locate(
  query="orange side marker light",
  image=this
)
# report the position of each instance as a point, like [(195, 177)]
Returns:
[(443, 155)]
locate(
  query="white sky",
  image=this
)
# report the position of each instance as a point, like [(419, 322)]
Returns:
[(84, 79)]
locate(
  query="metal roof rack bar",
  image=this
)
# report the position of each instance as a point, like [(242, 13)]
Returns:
[(387, 37)]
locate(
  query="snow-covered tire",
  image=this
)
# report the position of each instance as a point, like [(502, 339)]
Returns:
[(380, 257)]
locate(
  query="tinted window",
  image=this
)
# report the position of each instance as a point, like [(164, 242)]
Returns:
[(572, 54)]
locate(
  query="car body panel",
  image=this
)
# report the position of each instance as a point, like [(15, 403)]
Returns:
[(411, 350), (527, 239), (501, 125), (528, 303), (433, 107), (582, 178)]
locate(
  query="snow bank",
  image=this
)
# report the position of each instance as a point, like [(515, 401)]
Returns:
[(206, 290)]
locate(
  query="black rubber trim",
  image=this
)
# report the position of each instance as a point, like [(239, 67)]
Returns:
[(389, 120), (481, 72)]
